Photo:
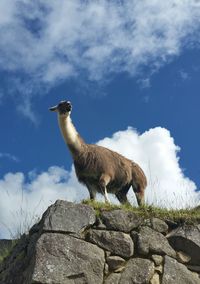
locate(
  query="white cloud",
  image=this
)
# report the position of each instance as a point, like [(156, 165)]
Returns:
[(157, 153), (46, 42), (22, 200), (60, 39)]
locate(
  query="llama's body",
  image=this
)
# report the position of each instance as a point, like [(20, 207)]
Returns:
[(99, 168), (96, 161)]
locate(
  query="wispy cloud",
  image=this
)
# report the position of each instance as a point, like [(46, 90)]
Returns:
[(62, 39), (9, 156), (22, 199), (184, 75)]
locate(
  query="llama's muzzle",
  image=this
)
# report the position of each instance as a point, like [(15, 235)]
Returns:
[(54, 108)]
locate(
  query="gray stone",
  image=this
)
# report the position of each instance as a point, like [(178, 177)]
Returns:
[(159, 269), (150, 241), (177, 273), (114, 262), (134, 236), (67, 217), (117, 243), (182, 257), (137, 271), (100, 225), (121, 220), (63, 259), (158, 259), (106, 269), (113, 278), (159, 225), (187, 240), (155, 279), (107, 253), (171, 224)]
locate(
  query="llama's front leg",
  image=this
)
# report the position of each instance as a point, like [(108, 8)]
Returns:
[(122, 194), (103, 182)]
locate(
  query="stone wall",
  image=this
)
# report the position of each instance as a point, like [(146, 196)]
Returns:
[(72, 245)]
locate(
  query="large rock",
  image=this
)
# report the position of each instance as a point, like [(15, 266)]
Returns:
[(187, 240), (177, 273), (137, 271), (159, 225), (64, 259), (121, 220), (67, 217), (150, 241), (117, 243)]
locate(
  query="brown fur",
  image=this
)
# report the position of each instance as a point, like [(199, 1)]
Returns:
[(95, 161)]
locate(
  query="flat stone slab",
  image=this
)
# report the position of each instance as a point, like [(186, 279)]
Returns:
[(117, 243), (64, 259), (121, 220), (150, 241), (137, 271), (68, 217), (187, 240), (177, 273)]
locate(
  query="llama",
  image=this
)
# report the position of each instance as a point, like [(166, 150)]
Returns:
[(100, 169)]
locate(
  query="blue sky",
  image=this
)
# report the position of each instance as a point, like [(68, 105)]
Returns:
[(131, 70)]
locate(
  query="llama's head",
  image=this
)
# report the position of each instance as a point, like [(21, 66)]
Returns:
[(63, 108)]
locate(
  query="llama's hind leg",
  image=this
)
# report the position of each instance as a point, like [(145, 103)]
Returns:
[(139, 193)]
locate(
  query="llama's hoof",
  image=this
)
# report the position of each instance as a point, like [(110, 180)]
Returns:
[(107, 201)]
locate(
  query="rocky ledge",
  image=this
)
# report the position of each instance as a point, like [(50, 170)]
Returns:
[(72, 245)]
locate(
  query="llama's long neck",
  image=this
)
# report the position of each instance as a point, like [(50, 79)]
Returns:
[(70, 135)]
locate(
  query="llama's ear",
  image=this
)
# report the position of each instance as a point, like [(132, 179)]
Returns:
[(54, 108)]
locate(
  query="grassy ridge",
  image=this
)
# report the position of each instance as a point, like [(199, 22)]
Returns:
[(182, 215)]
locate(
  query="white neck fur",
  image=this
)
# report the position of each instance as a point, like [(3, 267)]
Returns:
[(69, 132)]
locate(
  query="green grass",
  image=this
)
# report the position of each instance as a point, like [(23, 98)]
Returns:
[(182, 215)]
